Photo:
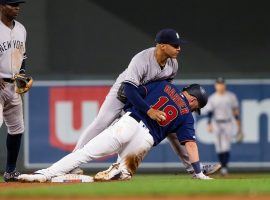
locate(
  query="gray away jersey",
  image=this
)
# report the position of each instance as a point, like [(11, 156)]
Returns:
[(222, 105), (144, 68), (12, 49)]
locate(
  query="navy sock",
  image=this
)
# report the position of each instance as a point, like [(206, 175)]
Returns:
[(221, 159), (13, 144), (224, 158)]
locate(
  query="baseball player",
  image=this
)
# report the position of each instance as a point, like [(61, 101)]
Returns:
[(156, 63), (136, 132), (12, 61), (223, 111)]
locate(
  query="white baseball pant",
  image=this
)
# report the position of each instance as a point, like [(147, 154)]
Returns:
[(11, 110), (224, 135), (110, 111), (127, 137)]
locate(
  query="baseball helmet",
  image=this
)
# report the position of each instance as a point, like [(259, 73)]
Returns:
[(199, 92)]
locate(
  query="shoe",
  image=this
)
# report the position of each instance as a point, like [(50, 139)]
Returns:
[(77, 171), (113, 173), (32, 178), (201, 176), (108, 174), (11, 176), (224, 171), (210, 169)]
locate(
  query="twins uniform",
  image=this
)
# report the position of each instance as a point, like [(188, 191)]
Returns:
[(135, 133), (142, 69), (12, 54), (223, 119)]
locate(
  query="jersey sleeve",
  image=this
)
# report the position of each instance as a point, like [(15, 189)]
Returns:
[(135, 71), (186, 131)]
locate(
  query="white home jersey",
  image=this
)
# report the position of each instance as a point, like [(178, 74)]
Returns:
[(12, 49), (144, 68), (222, 105)]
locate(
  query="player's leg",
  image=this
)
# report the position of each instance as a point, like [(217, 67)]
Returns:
[(131, 156), (106, 143), (226, 139), (13, 117), (221, 146), (109, 111)]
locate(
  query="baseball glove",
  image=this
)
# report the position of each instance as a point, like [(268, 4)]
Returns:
[(23, 83), (121, 93)]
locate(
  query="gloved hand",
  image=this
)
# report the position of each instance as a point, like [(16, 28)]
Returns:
[(23, 83)]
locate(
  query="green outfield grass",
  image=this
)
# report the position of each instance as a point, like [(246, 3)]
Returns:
[(151, 185)]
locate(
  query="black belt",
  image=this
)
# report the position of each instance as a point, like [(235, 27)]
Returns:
[(9, 80), (135, 117), (223, 120)]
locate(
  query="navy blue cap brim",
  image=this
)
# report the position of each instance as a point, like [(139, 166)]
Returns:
[(180, 42)]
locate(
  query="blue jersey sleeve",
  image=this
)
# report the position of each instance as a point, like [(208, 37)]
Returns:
[(135, 98), (186, 131), (142, 90)]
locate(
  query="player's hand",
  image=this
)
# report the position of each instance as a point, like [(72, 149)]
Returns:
[(2, 84), (201, 176), (239, 136), (156, 115), (210, 128)]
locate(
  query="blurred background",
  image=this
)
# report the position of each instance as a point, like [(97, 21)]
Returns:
[(96, 39)]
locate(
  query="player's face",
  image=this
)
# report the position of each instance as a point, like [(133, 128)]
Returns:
[(193, 103), (220, 87), (172, 51), (11, 11)]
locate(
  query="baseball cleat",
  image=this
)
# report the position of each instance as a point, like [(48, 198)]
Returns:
[(224, 171), (108, 174), (11, 176), (201, 176), (32, 178), (113, 173), (77, 171), (210, 169)]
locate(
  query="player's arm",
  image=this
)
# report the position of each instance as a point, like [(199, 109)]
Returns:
[(236, 113), (133, 95), (136, 70), (186, 136), (23, 66)]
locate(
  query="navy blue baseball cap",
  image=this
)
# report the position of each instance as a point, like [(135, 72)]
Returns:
[(169, 36), (220, 80), (199, 92), (11, 1)]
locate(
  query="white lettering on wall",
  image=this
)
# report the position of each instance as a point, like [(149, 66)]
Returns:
[(65, 131)]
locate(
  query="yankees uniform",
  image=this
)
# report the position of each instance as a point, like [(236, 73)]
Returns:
[(135, 133), (12, 55), (223, 109), (142, 69)]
